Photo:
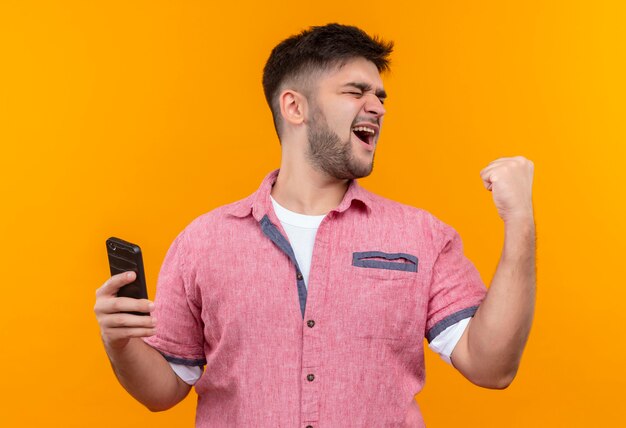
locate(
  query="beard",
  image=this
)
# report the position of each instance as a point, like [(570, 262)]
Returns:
[(328, 153)]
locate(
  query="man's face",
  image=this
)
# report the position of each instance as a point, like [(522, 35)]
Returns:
[(344, 120)]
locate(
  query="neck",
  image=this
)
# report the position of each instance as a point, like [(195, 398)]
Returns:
[(302, 189)]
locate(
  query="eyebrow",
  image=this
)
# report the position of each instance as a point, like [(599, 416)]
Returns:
[(380, 93)]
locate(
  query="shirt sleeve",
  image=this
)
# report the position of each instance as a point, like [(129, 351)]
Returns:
[(456, 288), (446, 341), (189, 374), (179, 330)]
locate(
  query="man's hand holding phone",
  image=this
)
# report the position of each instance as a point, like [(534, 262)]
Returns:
[(123, 312), (117, 326), (141, 369)]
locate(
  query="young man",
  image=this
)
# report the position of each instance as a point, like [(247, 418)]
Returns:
[(307, 302)]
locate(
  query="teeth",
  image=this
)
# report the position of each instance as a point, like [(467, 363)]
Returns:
[(364, 129)]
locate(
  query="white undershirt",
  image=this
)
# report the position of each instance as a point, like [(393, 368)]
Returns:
[(301, 230)]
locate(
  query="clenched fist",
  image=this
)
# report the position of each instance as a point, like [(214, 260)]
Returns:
[(510, 181)]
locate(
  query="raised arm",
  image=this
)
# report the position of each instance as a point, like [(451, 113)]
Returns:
[(490, 350), (141, 369)]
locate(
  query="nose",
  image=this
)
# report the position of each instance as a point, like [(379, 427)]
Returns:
[(374, 106)]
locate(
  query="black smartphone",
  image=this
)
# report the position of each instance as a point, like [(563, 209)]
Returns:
[(123, 257)]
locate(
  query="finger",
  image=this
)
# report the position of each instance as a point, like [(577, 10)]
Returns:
[(122, 304), (126, 333), (493, 172), (502, 161), (486, 172), (122, 320), (488, 178), (495, 163), (114, 283), (492, 166)]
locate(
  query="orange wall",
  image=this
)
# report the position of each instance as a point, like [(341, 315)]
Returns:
[(132, 118)]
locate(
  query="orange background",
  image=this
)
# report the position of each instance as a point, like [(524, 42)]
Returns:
[(132, 118)]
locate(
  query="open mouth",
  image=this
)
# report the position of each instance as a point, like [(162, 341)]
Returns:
[(365, 134)]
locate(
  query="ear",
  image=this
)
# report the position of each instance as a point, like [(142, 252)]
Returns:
[(293, 107)]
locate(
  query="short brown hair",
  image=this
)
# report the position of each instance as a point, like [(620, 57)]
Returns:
[(317, 49)]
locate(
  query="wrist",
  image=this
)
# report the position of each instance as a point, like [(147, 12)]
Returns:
[(519, 239), (520, 221)]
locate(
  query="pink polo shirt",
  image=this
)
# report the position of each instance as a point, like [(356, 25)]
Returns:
[(346, 352)]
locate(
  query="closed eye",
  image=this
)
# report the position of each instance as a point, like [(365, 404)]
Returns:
[(360, 94)]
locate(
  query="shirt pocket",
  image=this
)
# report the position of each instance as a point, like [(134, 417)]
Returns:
[(385, 299), (383, 265)]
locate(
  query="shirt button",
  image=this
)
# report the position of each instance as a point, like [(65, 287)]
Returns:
[(310, 323), (310, 377), (299, 276)]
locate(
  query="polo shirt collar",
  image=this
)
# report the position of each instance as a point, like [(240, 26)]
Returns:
[(259, 203)]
